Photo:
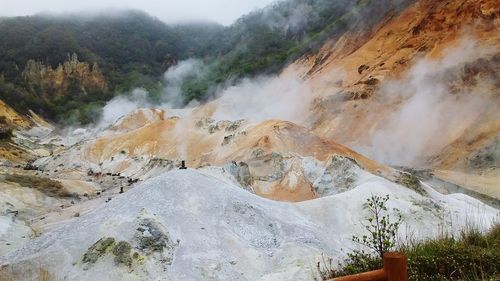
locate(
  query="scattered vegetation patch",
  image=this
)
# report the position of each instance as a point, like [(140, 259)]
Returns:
[(472, 255), (5, 129), (122, 253), (121, 250), (151, 238), (411, 181), (98, 249), (45, 185)]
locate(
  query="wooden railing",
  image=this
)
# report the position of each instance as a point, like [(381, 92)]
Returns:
[(395, 269)]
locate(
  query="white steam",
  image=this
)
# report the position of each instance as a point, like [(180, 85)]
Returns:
[(171, 96), (175, 75), (284, 97), (429, 116), (123, 105), (295, 20)]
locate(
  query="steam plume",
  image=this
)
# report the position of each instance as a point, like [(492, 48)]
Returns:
[(430, 116)]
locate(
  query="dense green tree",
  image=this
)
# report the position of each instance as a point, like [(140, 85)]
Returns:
[(133, 49)]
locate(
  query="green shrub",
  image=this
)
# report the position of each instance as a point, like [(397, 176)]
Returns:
[(380, 238), (359, 261), (471, 255), (382, 232)]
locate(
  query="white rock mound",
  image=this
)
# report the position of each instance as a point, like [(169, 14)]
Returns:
[(185, 225)]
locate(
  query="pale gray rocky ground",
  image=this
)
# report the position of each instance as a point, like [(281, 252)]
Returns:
[(204, 224), (187, 225)]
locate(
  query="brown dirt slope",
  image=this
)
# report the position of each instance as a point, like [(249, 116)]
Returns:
[(346, 82)]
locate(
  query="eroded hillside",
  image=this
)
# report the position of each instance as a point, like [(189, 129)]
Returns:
[(420, 89)]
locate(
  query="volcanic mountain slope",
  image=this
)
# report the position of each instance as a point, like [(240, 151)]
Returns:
[(276, 158), (12, 116), (184, 225), (12, 122), (367, 89), (420, 89), (358, 64)]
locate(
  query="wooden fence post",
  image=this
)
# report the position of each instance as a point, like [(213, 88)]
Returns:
[(395, 269), (395, 265)]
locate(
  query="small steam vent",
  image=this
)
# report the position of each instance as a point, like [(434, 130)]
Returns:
[(183, 165)]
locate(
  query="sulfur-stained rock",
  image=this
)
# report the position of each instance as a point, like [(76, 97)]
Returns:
[(122, 252), (98, 249)]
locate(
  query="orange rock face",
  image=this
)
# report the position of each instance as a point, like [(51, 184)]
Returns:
[(350, 83)]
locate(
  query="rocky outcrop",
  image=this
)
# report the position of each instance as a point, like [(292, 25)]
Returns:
[(70, 76)]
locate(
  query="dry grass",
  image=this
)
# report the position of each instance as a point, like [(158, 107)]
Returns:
[(45, 275), (45, 185), (42, 274)]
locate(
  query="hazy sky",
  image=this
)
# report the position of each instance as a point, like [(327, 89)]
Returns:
[(222, 11)]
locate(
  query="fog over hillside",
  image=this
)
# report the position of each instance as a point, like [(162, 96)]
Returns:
[(221, 11)]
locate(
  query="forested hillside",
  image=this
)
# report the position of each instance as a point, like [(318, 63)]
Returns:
[(66, 67), (127, 50), (265, 40)]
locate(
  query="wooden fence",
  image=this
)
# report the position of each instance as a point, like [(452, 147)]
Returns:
[(395, 269)]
